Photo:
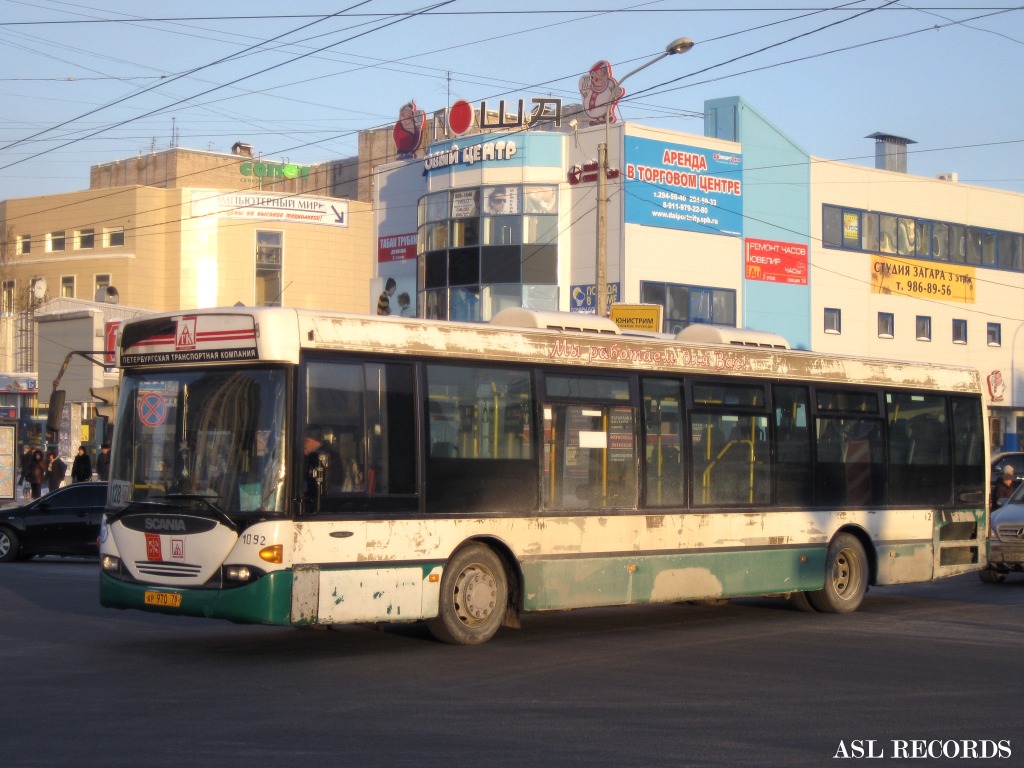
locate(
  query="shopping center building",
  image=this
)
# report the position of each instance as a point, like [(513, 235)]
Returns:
[(738, 226)]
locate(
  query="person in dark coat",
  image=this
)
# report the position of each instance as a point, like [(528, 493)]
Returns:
[(55, 471), (103, 463), (26, 465), (81, 468), (36, 473)]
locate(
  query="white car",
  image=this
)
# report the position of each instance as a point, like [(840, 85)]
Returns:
[(1006, 539)]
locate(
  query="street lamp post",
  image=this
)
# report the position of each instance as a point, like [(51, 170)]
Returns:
[(682, 45)]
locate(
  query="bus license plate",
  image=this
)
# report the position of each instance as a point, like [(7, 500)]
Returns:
[(166, 599)]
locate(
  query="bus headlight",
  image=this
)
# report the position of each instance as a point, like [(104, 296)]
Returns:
[(238, 573), (110, 563)]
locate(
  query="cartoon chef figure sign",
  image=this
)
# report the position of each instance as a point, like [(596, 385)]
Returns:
[(600, 93)]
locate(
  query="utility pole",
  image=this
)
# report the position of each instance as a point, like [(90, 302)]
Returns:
[(682, 45)]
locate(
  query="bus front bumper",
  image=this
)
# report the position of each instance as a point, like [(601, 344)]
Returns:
[(266, 601)]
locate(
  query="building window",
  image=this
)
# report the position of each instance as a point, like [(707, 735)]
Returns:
[(886, 325), (959, 331), (833, 320), (957, 243), (687, 304), (481, 249), (55, 241), (924, 328), (269, 255), (9, 292), (1009, 247), (888, 233), (114, 237), (85, 238), (67, 286), (995, 335), (24, 244), (922, 238)]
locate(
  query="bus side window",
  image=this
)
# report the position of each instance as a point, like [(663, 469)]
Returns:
[(794, 472), (850, 471), (729, 429), (589, 456), (733, 466), (663, 430), (590, 442), (479, 450), (919, 449), (364, 414), (968, 449)]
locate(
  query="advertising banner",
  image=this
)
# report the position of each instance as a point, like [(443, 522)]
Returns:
[(776, 262), (270, 207), (681, 187), (922, 280), (583, 298), (396, 247), (637, 317)]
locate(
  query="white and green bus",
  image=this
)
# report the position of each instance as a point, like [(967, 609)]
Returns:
[(294, 467)]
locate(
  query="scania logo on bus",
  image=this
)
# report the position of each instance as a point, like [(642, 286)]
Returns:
[(167, 524)]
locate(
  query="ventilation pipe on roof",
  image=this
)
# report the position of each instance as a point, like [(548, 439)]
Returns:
[(890, 152)]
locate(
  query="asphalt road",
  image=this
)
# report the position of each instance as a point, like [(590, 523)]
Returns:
[(751, 683)]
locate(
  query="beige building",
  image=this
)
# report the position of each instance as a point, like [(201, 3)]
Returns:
[(180, 229)]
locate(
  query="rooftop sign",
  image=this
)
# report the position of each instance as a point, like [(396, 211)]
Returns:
[(263, 170)]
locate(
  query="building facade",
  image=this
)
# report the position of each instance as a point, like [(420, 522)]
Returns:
[(738, 226), (181, 229)]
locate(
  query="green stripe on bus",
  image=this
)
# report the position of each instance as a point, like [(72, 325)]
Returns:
[(580, 582)]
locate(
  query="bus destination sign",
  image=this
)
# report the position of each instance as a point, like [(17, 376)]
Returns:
[(196, 339)]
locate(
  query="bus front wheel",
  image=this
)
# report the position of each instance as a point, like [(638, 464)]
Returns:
[(474, 596), (846, 577)]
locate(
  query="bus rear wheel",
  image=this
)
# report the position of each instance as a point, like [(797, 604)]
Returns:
[(846, 577), (800, 601), (474, 596)]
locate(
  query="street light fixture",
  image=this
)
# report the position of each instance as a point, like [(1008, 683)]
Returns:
[(681, 45)]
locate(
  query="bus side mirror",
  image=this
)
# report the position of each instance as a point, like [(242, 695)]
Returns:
[(55, 413)]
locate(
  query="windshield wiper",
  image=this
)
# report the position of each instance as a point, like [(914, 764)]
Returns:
[(207, 509), (208, 506)]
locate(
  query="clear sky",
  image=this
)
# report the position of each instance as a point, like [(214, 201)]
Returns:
[(95, 81)]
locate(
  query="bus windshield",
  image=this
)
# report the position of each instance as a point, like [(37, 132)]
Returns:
[(202, 437)]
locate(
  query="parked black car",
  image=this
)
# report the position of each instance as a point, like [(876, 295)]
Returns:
[(64, 522)]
